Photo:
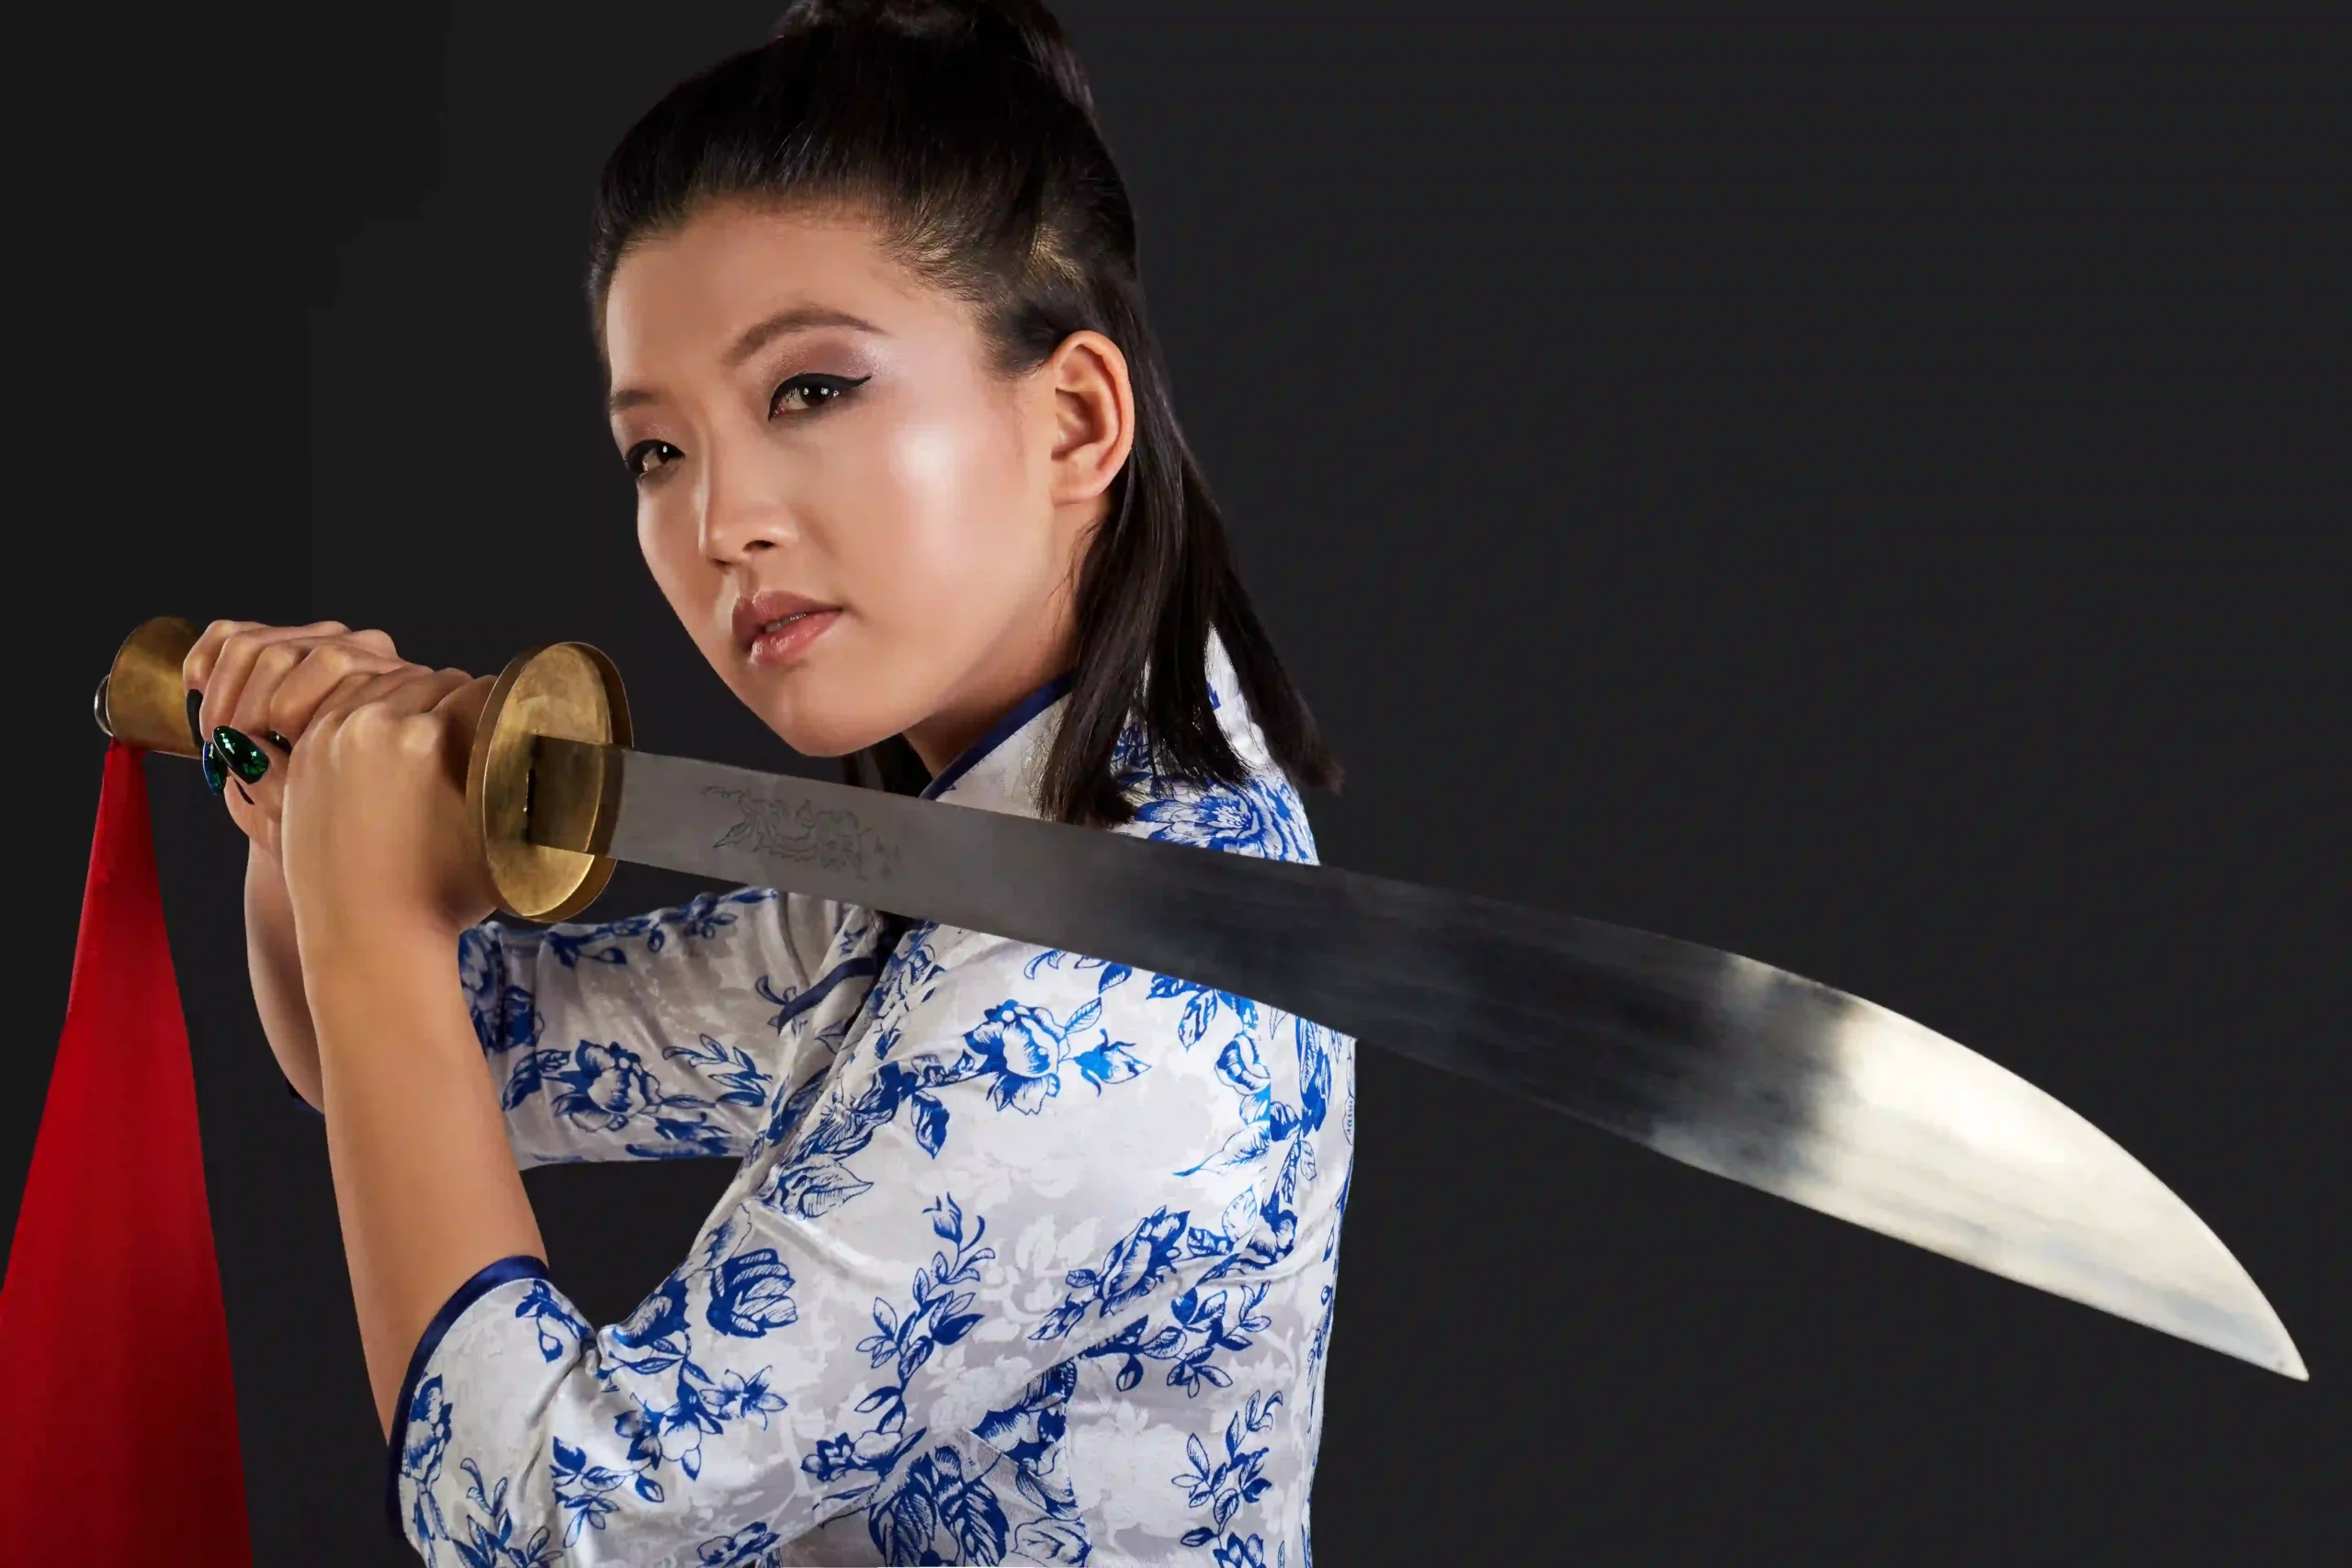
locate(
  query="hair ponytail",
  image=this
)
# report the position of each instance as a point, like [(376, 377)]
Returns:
[(968, 127)]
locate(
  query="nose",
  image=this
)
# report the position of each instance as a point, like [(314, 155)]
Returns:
[(745, 509)]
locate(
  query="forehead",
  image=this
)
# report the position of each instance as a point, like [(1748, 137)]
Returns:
[(679, 299)]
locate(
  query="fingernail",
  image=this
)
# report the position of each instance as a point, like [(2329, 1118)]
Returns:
[(277, 741), (244, 759), (216, 777), (195, 709)]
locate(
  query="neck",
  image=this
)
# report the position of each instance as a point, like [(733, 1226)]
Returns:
[(1034, 653)]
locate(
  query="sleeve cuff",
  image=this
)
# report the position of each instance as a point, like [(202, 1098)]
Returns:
[(521, 1265)]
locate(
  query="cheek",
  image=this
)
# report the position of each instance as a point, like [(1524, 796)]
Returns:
[(672, 552), (948, 525)]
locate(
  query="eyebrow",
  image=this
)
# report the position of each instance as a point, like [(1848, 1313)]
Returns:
[(757, 336)]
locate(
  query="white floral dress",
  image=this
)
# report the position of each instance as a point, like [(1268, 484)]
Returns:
[(1028, 1258)]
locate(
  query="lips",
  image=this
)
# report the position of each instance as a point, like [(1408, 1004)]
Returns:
[(766, 612), (773, 626)]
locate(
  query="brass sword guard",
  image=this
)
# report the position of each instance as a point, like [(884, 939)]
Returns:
[(565, 689), (574, 691)]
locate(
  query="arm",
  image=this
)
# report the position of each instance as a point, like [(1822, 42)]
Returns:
[(653, 1037), (425, 1181), (1022, 1172), (276, 970)]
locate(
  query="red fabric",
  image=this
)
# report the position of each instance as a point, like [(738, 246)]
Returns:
[(119, 1442)]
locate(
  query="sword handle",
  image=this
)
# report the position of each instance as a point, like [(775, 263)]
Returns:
[(141, 701), (565, 689)]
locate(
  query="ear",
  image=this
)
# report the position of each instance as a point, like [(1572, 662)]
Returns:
[(1093, 405)]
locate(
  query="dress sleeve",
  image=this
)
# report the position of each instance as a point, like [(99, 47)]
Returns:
[(653, 1037), (1026, 1161)]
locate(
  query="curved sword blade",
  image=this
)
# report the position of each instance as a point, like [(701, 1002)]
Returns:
[(1718, 1061)]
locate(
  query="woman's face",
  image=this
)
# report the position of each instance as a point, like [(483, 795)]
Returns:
[(865, 529)]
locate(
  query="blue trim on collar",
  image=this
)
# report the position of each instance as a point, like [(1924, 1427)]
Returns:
[(521, 1265), (1003, 730)]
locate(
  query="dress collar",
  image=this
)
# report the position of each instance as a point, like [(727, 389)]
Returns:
[(999, 772)]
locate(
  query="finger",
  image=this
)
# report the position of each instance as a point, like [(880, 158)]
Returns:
[(287, 687), (358, 689), (421, 693), (257, 807), (197, 666), (224, 683)]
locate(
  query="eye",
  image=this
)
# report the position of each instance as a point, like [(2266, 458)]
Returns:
[(810, 391), (638, 459)]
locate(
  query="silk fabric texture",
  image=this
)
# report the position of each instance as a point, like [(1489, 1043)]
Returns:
[(1028, 1258)]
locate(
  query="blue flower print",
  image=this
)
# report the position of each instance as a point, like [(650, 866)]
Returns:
[(1249, 818), (908, 977), (1238, 1553), (423, 1444), (605, 1086), (506, 1017), (755, 1548), (940, 1514), (751, 1295), (1022, 1050), (1134, 1267), (1029, 1432)]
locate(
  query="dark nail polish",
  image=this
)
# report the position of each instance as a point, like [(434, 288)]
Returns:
[(277, 741), (216, 777), (195, 710), (244, 759)]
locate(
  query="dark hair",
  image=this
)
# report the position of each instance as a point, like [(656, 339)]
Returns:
[(968, 129)]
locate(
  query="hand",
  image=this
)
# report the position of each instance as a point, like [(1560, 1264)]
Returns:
[(375, 833), (266, 682)]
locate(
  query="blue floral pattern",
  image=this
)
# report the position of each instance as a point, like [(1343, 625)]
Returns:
[(1008, 1225)]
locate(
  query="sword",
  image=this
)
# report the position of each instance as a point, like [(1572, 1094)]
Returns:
[(1721, 1062)]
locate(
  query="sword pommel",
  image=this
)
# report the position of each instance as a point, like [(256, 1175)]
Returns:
[(546, 810), (140, 700)]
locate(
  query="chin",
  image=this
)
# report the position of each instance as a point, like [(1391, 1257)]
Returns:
[(818, 724)]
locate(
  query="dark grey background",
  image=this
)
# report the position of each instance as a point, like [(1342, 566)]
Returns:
[(1854, 490)]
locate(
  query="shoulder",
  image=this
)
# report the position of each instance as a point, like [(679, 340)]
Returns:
[(1262, 814)]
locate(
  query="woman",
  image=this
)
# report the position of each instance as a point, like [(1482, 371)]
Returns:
[(1028, 1258)]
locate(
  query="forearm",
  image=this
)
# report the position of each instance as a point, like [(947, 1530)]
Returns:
[(424, 1175), (277, 968)]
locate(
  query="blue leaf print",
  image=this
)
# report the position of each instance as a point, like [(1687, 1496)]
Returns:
[(814, 1188), (1239, 1065), (931, 1122), (1113, 1061), (746, 1084), (1052, 958)]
